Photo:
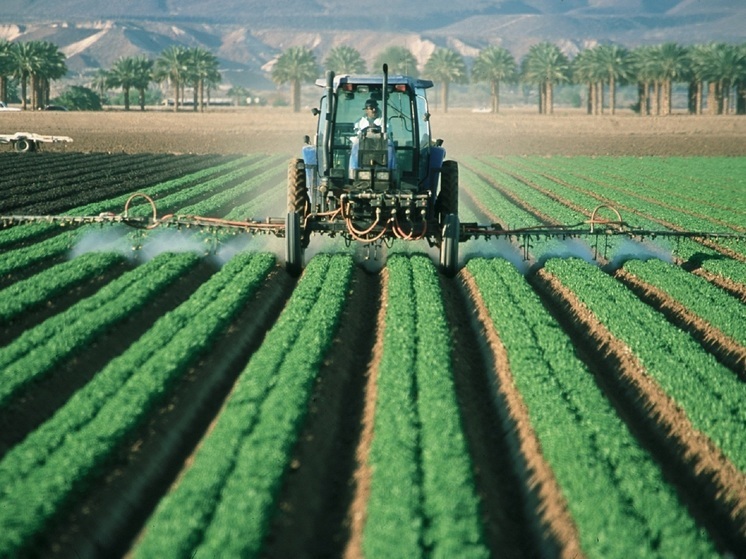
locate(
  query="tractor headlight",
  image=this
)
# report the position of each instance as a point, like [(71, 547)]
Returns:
[(383, 175), (363, 175)]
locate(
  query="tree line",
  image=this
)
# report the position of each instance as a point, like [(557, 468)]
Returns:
[(715, 73), (35, 64)]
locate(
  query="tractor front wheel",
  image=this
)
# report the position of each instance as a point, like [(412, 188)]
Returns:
[(23, 145), (293, 244), (449, 245)]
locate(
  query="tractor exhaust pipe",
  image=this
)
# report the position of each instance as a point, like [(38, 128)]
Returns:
[(330, 100), (384, 96)]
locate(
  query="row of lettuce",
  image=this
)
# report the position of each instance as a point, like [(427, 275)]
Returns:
[(423, 500)]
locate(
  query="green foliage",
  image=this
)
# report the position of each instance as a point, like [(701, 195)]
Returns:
[(78, 98), (593, 456), (708, 392), (419, 447), (38, 475), (249, 449)]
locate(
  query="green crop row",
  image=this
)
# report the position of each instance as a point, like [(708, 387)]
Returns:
[(30, 293), (700, 297), (211, 191), (588, 194), (38, 350), (48, 468), (30, 231), (709, 393), (596, 460), (422, 498), (223, 503), (21, 258), (689, 183)]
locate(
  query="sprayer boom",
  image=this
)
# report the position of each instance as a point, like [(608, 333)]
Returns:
[(382, 230)]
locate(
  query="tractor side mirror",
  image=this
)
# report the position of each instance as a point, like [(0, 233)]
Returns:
[(307, 140), (315, 111), (438, 142)]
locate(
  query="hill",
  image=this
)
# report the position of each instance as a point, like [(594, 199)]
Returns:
[(247, 35)]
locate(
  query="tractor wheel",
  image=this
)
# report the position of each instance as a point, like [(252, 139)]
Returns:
[(298, 201), (293, 244), (24, 145), (448, 196), (449, 245)]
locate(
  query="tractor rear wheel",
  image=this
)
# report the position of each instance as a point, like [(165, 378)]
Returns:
[(298, 201), (298, 205), (449, 245), (448, 196)]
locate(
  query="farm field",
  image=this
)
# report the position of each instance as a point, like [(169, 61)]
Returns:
[(176, 393)]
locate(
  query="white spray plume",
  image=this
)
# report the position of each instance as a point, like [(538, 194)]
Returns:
[(171, 240), (105, 239), (631, 249), (493, 248), (568, 248)]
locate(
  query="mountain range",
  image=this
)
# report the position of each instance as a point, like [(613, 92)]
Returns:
[(247, 35)]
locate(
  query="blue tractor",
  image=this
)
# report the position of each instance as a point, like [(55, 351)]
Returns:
[(377, 181)]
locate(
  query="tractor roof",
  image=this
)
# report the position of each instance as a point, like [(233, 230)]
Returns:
[(376, 79)]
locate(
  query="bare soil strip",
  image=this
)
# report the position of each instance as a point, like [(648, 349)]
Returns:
[(105, 519), (727, 350), (356, 515), (710, 485), (322, 495), (545, 506), (506, 517)]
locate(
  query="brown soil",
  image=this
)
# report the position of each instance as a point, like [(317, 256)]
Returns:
[(280, 131)]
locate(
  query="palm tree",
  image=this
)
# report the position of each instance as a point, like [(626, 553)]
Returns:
[(202, 67), (172, 66), (613, 64), (545, 65), (446, 66), (643, 63), (727, 66), (52, 67), (26, 62), (296, 65), (6, 68), (400, 60), (100, 83), (493, 65), (123, 74), (699, 71), (585, 70), (344, 60), (142, 76), (239, 94), (671, 61)]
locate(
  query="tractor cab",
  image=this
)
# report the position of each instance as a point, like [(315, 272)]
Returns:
[(376, 179), (397, 154)]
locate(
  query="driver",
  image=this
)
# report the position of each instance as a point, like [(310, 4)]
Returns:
[(372, 116)]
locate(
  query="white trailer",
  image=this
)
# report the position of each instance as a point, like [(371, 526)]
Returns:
[(28, 141)]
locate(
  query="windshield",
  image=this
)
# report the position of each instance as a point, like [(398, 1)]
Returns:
[(401, 127)]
